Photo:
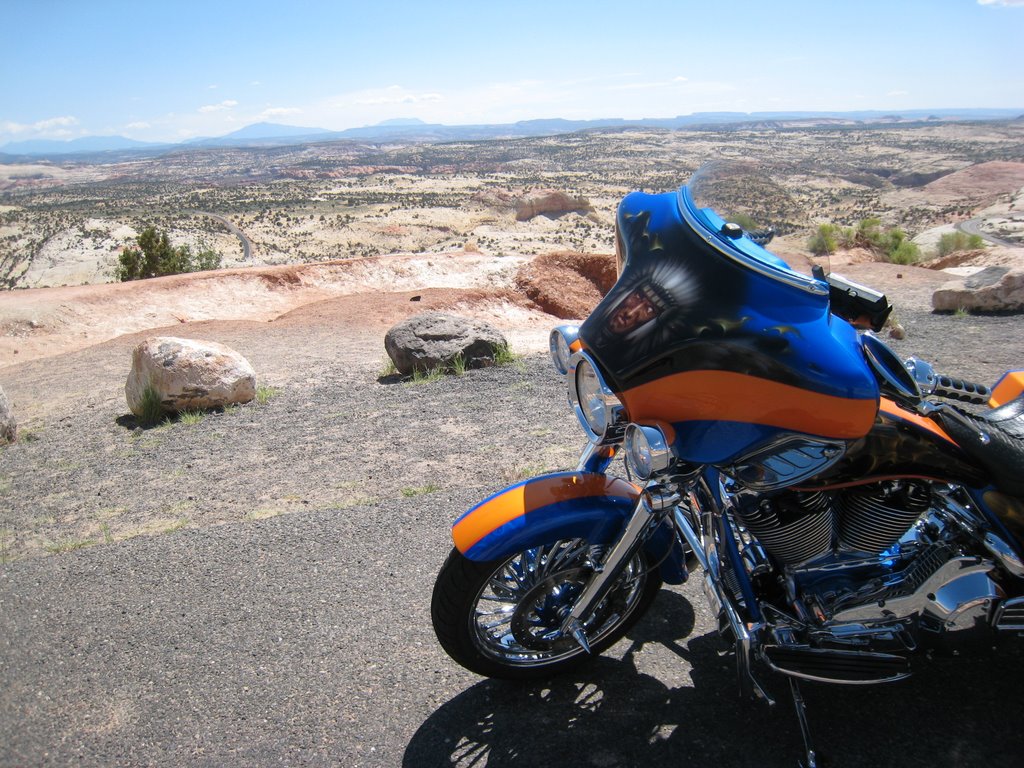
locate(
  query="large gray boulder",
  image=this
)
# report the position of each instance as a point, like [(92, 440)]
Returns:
[(188, 375), (436, 340), (993, 289), (8, 426)]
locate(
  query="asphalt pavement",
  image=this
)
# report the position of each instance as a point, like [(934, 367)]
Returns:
[(305, 639)]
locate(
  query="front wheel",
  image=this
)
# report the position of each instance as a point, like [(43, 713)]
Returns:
[(501, 618)]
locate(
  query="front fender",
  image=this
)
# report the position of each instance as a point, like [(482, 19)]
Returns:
[(543, 509)]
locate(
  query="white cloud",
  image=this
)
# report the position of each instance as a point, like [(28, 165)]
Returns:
[(52, 127), (223, 106), (898, 93), (1001, 2), (140, 125)]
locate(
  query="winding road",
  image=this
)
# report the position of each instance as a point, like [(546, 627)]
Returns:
[(246, 244), (973, 227)]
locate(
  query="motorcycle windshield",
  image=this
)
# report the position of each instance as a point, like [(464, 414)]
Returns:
[(707, 330)]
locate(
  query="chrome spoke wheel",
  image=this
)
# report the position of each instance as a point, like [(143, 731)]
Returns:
[(518, 612)]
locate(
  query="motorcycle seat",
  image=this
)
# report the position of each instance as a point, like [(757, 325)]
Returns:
[(1002, 456)]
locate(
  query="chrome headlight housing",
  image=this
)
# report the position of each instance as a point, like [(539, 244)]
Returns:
[(598, 409), (560, 342), (647, 451)]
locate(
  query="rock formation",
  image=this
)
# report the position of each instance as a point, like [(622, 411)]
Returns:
[(549, 202), (436, 339), (993, 289), (188, 375)]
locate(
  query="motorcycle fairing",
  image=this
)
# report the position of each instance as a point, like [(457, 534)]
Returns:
[(712, 339), (724, 410), (549, 507)]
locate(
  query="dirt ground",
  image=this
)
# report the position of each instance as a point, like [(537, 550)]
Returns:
[(315, 334)]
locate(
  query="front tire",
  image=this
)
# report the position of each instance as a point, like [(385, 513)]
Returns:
[(501, 618)]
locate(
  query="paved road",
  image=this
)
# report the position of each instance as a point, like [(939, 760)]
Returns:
[(973, 227), (246, 244), (305, 640)]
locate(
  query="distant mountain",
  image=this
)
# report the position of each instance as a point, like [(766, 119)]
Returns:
[(262, 134), (75, 146), (401, 121), (273, 131), (414, 130)]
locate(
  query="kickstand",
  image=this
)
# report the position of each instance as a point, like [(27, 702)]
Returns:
[(805, 731)]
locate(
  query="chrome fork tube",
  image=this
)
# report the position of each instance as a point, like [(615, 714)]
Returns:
[(644, 518), (706, 551)]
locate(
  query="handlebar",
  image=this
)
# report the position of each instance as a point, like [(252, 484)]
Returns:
[(963, 391), (948, 387)]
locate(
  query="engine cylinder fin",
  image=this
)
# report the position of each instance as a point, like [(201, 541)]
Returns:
[(793, 528), (874, 518)]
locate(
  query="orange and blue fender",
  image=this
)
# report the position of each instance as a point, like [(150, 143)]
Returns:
[(543, 509)]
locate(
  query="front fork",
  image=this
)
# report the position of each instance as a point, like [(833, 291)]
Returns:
[(648, 513), (696, 517), (698, 521)]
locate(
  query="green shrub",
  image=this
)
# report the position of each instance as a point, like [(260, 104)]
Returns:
[(890, 245), (904, 253), (959, 241), (868, 234), (823, 242), (155, 256), (151, 408)]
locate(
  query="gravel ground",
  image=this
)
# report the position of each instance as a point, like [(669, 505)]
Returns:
[(253, 589)]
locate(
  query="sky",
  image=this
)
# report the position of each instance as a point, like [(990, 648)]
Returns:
[(169, 71)]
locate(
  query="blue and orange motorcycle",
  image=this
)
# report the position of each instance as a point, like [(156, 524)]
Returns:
[(846, 508)]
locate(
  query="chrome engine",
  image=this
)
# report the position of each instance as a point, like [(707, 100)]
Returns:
[(890, 566)]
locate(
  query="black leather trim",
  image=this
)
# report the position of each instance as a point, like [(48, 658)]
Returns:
[(1003, 455)]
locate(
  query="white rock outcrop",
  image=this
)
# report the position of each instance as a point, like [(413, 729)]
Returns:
[(993, 289), (188, 375)]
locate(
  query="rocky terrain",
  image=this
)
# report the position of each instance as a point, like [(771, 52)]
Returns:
[(251, 586)]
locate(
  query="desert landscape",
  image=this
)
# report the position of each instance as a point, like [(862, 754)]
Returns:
[(253, 586)]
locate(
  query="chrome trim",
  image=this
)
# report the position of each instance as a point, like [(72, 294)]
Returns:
[(660, 454), (922, 372), (706, 552), (794, 279), (1010, 615), (1004, 553), (836, 681), (642, 521), (562, 334), (786, 460), (616, 421), (970, 523), (959, 585)]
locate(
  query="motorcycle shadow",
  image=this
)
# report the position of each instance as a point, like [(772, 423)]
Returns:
[(610, 714)]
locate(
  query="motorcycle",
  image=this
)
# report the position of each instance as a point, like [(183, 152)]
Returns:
[(846, 509)]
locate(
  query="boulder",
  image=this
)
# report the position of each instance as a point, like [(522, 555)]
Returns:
[(993, 289), (188, 375), (8, 426), (436, 339), (549, 203)]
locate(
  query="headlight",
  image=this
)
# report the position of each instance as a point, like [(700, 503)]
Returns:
[(600, 413), (561, 340), (647, 451)]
